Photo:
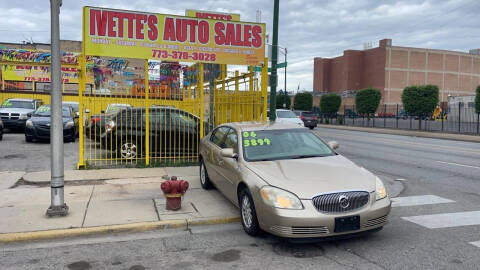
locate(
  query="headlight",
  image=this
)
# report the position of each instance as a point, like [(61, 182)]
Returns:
[(29, 123), (69, 124), (280, 198), (23, 117), (110, 126), (380, 191)]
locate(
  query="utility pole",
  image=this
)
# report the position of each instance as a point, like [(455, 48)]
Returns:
[(57, 207), (286, 94), (273, 77)]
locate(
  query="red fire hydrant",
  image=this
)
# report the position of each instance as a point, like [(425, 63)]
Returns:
[(173, 190)]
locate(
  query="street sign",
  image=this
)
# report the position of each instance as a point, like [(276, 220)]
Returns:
[(259, 69)]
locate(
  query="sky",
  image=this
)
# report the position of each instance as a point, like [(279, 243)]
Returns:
[(307, 28)]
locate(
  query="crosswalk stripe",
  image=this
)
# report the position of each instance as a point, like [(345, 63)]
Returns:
[(446, 220), (477, 243), (418, 200)]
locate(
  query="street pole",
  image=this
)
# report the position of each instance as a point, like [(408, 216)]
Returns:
[(285, 88), (58, 207), (273, 77)]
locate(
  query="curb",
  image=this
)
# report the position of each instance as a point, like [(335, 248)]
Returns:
[(132, 227)]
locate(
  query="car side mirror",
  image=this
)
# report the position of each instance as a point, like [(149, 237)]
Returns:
[(333, 144), (228, 152)]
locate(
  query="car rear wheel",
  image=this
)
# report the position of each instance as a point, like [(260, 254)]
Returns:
[(311, 127), (204, 179), (28, 138), (128, 150), (248, 213)]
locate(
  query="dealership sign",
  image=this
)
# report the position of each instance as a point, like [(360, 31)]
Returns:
[(27, 73), (132, 34)]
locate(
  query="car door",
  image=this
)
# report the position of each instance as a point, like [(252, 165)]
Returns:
[(228, 167), (212, 158)]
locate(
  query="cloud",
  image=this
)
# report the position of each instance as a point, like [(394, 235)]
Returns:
[(308, 28)]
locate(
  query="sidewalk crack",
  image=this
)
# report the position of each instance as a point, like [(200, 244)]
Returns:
[(88, 204), (156, 209)]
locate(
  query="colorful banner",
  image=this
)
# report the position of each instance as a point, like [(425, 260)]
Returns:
[(212, 15), (27, 73), (132, 34)]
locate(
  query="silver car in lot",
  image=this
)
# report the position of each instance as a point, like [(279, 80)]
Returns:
[(288, 182)]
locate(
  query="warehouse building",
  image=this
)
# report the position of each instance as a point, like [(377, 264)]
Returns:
[(392, 68)]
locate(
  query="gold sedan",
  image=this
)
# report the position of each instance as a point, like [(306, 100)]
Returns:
[(288, 182)]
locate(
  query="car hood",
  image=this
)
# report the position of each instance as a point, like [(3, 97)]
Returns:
[(310, 176), (290, 120), (16, 110), (41, 120)]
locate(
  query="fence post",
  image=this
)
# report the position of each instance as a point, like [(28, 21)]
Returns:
[(147, 116), (353, 113), (478, 122), (459, 115), (264, 88), (443, 116), (396, 115), (373, 120), (200, 84), (81, 88), (384, 115)]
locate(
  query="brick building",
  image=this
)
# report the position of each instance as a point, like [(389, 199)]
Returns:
[(392, 68)]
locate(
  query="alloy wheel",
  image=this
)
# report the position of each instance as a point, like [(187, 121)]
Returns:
[(128, 151), (246, 212)]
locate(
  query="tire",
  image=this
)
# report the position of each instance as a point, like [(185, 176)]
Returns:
[(311, 127), (204, 179), (28, 138), (128, 150), (248, 214), (1, 137)]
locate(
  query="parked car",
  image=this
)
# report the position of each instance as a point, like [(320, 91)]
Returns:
[(287, 116), (385, 115), (349, 113), (288, 182), (309, 119), (1, 130), (74, 106), (97, 123), (172, 131), (38, 127), (14, 112)]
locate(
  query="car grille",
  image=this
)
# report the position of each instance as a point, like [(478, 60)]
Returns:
[(375, 221), (341, 201), (43, 126), (9, 116), (300, 230)]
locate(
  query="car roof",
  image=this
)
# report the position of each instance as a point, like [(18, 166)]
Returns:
[(240, 126), (23, 99), (70, 102), (283, 110)]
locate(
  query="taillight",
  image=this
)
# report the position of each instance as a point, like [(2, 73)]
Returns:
[(315, 118), (95, 119), (110, 126), (302, 117)]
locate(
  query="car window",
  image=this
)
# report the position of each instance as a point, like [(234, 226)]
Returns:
[(218, 135), (183, 119), (282, 144), (231, 141), (286, 114)]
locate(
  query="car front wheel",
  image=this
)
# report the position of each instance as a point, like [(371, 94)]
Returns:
[(28, 138), (204, 179), (128, 150), (248, 213)]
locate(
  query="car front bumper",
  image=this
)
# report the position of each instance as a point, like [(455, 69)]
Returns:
[(310, 223), (310, 123), (44, 133), (14, 123)]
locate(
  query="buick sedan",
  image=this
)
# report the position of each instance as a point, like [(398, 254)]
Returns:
[(288, 182)]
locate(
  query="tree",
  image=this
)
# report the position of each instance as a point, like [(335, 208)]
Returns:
[(477, 100), (281, 99), (330, 103), (367, 101), (303, 101), (420, 101)]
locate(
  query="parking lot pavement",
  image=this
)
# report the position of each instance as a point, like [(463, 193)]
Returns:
[(18, 155)]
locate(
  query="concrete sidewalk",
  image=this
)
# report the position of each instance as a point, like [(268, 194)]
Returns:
[(118, 200), (413, 133)]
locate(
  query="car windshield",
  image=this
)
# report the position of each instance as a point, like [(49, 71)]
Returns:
[(286, 114), (266, 145), (73, 105), (44, 111), (115, 108), (17, 104)]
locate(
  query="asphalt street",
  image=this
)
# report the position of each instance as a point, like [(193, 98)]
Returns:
[(434, 224)]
